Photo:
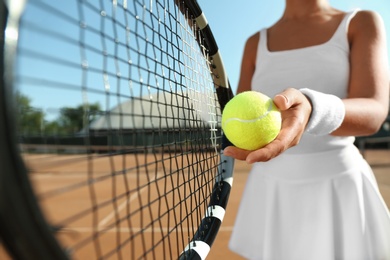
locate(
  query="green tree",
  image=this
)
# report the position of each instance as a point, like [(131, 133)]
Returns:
[(73, 120), (54, 128), (30, 120)]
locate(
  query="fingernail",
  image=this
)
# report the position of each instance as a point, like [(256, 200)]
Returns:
[(249, 160), (227, 152), (285, 98)]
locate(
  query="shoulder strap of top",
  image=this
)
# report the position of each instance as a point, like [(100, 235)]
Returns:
[(341, 34), (339, 37), (262, 45)]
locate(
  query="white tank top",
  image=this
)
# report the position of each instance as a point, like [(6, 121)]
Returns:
[(324, 67)]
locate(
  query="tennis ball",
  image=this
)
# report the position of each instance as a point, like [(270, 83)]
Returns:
[(251, 120)]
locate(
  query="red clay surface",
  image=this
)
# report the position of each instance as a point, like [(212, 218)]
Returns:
[(75, 201)]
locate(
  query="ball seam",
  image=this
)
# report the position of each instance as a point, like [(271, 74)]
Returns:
[(251, 120)]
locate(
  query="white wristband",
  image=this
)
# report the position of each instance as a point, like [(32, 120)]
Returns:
[(327, 114)]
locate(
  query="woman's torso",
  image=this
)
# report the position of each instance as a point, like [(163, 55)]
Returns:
[(324, 67)]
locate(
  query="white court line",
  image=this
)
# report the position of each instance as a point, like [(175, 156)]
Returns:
[(123, 205)]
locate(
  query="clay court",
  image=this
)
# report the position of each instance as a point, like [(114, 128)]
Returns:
[(56, 176)]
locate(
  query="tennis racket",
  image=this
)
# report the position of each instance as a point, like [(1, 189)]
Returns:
[(110, 138)]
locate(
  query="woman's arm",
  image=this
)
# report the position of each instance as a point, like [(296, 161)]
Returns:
[(367, 104), (248, 63)]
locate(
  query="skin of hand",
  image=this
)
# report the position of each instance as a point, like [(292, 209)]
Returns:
[(295, 109)]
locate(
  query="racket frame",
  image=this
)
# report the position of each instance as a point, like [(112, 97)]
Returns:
[(23, 229), (203, 239)]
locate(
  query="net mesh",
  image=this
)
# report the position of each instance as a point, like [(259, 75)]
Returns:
[(118, 125)]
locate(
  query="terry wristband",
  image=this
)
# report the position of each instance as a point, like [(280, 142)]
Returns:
[(327, 114)]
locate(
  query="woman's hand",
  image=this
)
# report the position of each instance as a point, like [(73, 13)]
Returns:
[(296, 110)]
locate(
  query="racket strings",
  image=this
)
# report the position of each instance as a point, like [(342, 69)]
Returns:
[(135, 179)]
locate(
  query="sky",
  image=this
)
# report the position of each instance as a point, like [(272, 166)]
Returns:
[(232, 22)]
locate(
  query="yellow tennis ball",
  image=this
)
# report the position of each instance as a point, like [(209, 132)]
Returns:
[(251, 120)]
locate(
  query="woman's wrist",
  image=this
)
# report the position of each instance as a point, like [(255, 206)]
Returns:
[(327, 114)]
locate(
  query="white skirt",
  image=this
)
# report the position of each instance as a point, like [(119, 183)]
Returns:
[(322, 206)]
